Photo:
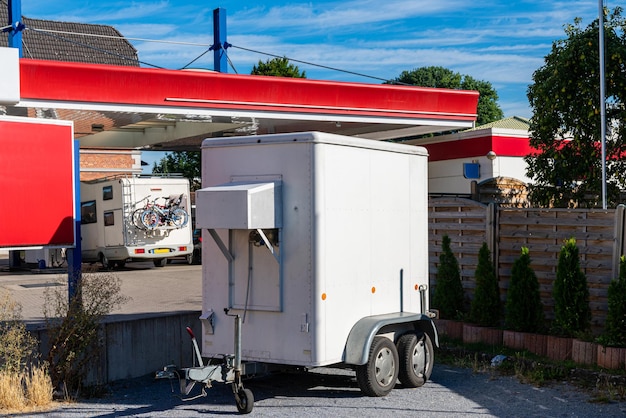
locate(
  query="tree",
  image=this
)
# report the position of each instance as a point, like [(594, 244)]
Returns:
[(615, 327), (572, 314), (279, 67), (186, 163), (440, 77), (448, 297), (524, 311), (565, 126), (486, 308)]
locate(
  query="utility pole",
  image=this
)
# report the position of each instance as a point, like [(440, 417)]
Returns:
[(602, 100)]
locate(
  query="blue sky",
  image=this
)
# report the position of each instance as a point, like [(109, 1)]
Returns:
[(502, 42)]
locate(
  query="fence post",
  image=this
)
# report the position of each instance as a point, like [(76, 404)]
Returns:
[(618, 234), (491, 228)]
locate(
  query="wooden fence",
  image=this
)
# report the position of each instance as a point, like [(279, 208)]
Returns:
[(599, 235)]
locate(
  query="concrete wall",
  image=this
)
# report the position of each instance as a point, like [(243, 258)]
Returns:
[(141, 346)]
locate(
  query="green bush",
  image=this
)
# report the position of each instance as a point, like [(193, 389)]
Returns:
[(572, 315), (615, 327), (524, 310), (448, 297), (486, 308)]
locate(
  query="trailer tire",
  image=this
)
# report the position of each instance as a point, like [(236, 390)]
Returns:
[(244, 401), (106, 263), (378, 376), (159, 262), (416, 359)]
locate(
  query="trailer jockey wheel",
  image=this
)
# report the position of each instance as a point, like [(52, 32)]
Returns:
[(416, 359), (378, 376), (244, 400)]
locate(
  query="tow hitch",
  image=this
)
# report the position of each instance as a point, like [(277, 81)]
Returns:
[(228, 371)]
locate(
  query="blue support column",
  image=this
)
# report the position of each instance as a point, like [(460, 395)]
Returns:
[(220, 61), (74, 257), (15, 20)]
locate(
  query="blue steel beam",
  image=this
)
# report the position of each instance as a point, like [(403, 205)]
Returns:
[(220, 62)]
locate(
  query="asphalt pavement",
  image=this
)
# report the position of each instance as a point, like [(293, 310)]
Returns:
[(151, 290), (324, 392)]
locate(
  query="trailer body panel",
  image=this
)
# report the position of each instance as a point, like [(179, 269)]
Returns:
[(352, 242)]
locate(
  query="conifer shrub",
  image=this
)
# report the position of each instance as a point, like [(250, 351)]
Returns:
[(524, 310), (448, 297), (572, 315), (614, 334), (486, 309)]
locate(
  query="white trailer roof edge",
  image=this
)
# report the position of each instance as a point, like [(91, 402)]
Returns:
[(314, 137)]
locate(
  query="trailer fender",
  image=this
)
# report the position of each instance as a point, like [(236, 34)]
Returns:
[(363, 332)]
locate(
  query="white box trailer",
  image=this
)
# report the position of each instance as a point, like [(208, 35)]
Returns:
[(135, 218), (320, 250)]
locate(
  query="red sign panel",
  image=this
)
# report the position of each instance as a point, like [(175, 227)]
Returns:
[(36, 183)]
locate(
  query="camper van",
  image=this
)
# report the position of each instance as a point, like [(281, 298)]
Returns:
[(135, 218)]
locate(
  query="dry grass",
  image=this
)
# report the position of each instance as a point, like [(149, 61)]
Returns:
[(39, 387), (24, 386), (21, 392), (12, 391)]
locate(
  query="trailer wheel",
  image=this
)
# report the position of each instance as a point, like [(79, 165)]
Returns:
[(244, 400), (159, 262), (378, 376), (106, 263), (416, 359)]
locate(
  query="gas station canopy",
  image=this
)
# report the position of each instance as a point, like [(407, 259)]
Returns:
[(162, 109)]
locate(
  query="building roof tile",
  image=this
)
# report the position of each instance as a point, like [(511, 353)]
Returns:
[(75, 44)]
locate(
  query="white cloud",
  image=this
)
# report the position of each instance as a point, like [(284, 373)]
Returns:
[(496, 41)]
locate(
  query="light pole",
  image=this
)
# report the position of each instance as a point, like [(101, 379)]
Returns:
[(602, 100)]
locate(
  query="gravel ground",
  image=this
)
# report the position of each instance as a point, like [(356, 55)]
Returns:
[(452, 392)]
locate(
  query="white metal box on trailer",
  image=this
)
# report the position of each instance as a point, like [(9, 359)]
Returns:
[(315, 237), (135, 218)]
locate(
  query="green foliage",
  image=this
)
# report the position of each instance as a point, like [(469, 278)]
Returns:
[(524, 311), (572, 315), (448, 297), (279, 67), (615, 327), (440, 77), (565, 126), (186, 163), (486, 308), (74, 326)]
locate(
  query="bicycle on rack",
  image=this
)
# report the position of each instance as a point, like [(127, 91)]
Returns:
[(168, 215), (135, 218)]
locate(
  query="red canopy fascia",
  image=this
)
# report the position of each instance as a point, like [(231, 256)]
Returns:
[(57, 82)]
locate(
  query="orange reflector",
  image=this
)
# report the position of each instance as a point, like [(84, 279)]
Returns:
[(323, 296), (373, 289), (417, 287)]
